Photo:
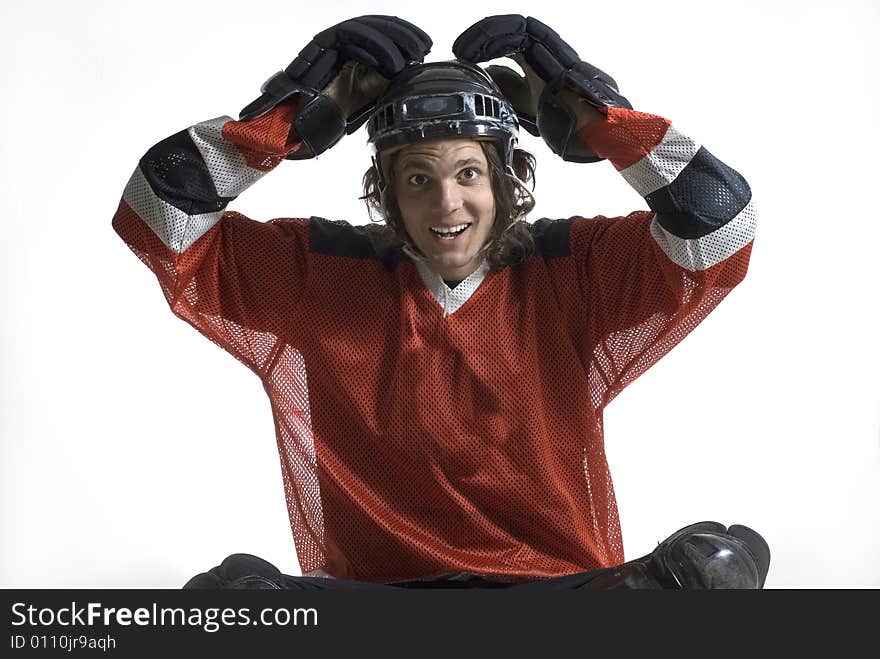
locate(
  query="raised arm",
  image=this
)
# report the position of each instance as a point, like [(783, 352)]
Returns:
[(225, 274), (649, 278)]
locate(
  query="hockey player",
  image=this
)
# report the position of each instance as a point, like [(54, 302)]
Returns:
[(438, 381)]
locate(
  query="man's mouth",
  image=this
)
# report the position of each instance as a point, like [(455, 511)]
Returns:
[(450, 233)]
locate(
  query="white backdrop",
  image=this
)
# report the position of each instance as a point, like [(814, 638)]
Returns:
[(133, 452)]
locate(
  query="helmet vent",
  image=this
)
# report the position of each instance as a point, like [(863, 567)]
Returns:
[(486, 106), (383, 118)]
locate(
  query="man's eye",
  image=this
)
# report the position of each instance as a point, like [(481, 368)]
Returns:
[(470, 173), (417, 179)]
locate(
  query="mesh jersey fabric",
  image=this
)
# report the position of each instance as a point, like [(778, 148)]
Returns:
[(423, 430)]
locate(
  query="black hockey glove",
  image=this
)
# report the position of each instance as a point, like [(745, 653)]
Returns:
[(541, 112), (381, 44)]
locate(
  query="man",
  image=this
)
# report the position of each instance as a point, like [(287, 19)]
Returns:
[(438, 382)]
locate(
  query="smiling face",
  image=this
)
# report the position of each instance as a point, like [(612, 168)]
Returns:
[(444, 192)]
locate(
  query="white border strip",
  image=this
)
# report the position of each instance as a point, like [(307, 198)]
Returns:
[(173, 227), (696, 254), (229, 170), (451, 299), (663, 164)]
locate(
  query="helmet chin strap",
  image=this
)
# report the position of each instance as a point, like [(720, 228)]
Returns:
[(380, 176), (508, 170), (413, 252)]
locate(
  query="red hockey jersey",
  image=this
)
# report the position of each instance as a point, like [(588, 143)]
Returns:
[(425, 430)]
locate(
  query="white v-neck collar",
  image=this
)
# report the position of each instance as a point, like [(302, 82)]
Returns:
[(451, 299)]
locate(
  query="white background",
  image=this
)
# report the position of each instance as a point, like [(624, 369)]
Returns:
[(133, 452)]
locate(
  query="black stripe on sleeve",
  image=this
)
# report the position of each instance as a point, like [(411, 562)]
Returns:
[(704, 196), (176, 172)]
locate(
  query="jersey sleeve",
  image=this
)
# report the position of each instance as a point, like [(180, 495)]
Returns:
[(234, 279), (649, 278)]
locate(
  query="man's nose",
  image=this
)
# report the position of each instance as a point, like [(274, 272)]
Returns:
[(449, 196)]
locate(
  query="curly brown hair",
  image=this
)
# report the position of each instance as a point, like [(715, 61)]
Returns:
[(510, 241)]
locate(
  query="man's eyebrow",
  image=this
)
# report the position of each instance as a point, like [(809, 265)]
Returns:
[(415, 161), (412, 161)]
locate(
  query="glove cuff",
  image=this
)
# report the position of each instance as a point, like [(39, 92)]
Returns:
[(276, 89), (556, 122), (319, 123), (596, 91)]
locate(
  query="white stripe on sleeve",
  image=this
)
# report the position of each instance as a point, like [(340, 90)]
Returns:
[(173, 227), (695, 254), (229, 171), (663, 164)]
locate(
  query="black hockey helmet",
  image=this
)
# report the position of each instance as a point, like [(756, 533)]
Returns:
[(441, 99)]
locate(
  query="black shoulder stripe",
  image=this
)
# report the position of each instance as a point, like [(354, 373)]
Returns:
[(552, 237), (176, 172), (706, 195), (337, 238)]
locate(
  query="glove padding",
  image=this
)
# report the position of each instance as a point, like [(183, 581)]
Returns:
[(554, 61), (385, 44)]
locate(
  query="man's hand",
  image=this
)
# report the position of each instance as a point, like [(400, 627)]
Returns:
[(524, 94), (367, 49), (356, 89), (554, 98)]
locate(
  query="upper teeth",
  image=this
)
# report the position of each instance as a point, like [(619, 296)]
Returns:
[(458, 227)]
